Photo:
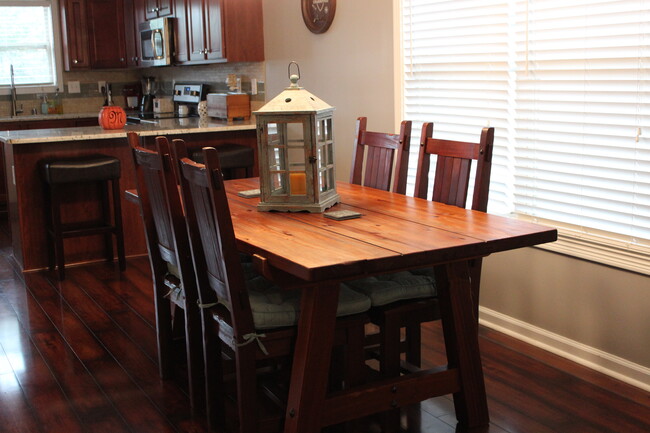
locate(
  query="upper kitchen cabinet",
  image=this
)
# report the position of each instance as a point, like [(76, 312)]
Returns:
[(74, 29), (158, 8), (133, 16), (93, 34), (106, 35), (220, 31)]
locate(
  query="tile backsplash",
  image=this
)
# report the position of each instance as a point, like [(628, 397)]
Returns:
[(90, 99)]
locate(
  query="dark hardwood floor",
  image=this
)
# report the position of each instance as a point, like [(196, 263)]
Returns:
[(80, 356)]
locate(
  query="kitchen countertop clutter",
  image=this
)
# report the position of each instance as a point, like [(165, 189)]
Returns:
[(152, 128)]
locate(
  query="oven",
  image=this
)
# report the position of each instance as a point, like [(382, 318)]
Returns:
[(156, 42)]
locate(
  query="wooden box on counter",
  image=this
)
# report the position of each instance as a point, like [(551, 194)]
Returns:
[(229, 105)]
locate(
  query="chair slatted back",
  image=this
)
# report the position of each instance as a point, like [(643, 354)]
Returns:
[(159, 198), (212, 238), (453, 168), (381, 151)]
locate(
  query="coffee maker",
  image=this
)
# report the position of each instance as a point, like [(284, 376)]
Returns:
[(148, 90)]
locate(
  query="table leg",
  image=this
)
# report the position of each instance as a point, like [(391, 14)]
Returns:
[(460, 328), (311, 360)]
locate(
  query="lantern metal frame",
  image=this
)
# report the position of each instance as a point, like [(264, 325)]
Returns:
[(296, 152)]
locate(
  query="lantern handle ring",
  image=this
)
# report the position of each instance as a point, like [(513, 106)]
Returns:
[(293, 78)]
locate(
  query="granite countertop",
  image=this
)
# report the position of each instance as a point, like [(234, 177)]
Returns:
[(34, 117), (191, 125)]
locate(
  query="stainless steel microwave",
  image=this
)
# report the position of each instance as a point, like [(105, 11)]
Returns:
[(156, 42)]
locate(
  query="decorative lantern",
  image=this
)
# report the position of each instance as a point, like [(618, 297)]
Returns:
[(296, 151)]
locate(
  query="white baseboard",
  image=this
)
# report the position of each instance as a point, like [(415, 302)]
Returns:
[(619, 368)]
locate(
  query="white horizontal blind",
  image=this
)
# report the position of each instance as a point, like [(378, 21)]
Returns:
[(27, 43), (456, 56), (566, 86), (583, 115)]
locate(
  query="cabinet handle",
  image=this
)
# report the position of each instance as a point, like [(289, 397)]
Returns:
[(121, 59), (153, 10), (75, 61)]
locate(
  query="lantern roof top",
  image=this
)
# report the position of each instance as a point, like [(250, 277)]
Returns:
[(294, 99)]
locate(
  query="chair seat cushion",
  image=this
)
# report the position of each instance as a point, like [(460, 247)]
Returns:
[(389, 288), (276, 308)]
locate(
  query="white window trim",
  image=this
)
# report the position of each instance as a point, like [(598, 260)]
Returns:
[(599, 248), (28, 89), (596, 248)]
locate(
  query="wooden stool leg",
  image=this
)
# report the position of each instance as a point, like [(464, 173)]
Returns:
[(57, 231), (119, 231), (106, 217), (49, 234)]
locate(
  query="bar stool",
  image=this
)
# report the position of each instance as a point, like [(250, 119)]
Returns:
[(57, 173), (232, 157)]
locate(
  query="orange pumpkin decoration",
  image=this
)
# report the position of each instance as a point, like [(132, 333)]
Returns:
[(112, 117)]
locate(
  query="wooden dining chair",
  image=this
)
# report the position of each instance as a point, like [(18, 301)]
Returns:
[(248, 320), (380, 152), (175, 292), (417, 302)]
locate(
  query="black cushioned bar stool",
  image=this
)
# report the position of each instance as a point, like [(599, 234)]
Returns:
[(60, 173), (231, 157)]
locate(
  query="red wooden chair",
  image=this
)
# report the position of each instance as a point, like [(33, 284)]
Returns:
[(381, 152), (453, 166), (175, 293), (237, 313)]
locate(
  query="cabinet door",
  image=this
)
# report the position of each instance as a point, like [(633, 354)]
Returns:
[(158, 8), (133, 16), (165, 8), (213, 29), (106, 34), (181, 32), (196, 33), (74, 26)]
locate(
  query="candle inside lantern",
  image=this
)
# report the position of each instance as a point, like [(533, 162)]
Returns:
[(298, 183)]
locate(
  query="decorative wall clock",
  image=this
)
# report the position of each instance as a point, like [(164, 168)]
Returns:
[(318, 14)]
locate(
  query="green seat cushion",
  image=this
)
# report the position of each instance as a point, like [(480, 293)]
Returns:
[(386, 289), (275, 308)]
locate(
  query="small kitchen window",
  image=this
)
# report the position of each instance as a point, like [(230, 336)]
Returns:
[(29, 41)]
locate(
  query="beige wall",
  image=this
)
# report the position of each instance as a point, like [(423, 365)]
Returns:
[(594, 313), (350, 66)]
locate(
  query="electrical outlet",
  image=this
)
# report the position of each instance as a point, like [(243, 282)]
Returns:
[(100, 84)]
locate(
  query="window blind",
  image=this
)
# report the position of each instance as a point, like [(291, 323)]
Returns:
[(566, 86), (27, 42)]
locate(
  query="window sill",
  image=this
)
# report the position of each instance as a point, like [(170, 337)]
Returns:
[(599, 249)]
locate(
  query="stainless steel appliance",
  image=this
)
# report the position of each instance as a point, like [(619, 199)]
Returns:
[(186, 99), (156, 42), (148, 91)]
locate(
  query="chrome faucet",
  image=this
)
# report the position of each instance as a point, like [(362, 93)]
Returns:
[(14, 105)]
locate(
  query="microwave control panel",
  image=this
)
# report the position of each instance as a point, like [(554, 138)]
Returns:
[(189, 93)]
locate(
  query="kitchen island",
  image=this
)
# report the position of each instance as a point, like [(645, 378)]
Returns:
[(25, 189)]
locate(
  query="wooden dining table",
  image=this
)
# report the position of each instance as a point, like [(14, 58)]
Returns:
[(314, 254)]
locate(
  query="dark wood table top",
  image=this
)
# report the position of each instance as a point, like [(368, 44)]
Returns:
[(394, 232)]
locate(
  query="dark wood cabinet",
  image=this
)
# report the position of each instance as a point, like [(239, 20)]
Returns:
[(158, 8), (181, 31), (74, 29), (106, 36), (220, 31), (93, 34), (133, 16)]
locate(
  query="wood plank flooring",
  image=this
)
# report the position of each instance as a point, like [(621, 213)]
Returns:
[(80, 356)]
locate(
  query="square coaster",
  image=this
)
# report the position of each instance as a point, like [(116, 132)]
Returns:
[(249, 193), (340, 215)]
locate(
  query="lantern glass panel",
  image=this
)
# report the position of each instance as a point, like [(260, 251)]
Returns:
[(278, 183)]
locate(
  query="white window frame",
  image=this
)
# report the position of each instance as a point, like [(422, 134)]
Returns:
[(593, 246), (22, 89)]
